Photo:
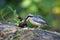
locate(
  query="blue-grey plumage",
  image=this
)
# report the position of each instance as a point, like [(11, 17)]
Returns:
[(35, 20), (38, 19)]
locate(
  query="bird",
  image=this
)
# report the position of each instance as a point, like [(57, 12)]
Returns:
[(36, 20)]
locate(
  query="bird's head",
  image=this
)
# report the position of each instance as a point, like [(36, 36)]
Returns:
[(29, 16)]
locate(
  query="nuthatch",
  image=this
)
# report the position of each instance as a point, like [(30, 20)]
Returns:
[(36, 20)]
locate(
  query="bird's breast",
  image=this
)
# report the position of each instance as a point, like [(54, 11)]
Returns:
[(34, 23)]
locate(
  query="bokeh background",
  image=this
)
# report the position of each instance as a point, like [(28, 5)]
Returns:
[(48, 9)]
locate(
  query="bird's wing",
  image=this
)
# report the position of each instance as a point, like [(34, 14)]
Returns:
[(39, 20)]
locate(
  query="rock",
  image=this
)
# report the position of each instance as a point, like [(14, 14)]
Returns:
[(39, 35), (16, 33)]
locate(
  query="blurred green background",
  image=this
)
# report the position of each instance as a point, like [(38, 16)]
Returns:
[(48, 9)]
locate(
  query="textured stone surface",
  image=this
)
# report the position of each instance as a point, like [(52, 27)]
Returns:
[(39, 35), (27, 34)]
